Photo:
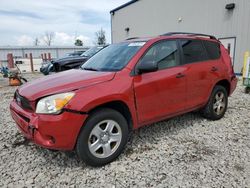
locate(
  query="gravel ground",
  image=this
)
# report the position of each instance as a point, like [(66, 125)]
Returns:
[(186, 151)]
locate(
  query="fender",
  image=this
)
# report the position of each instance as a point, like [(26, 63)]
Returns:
[(223, 83), (120, 90)]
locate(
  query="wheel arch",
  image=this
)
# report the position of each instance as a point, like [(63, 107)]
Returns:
[(225, 83), (119, 106)]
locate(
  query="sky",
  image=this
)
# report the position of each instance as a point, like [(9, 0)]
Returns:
[(21, 21)]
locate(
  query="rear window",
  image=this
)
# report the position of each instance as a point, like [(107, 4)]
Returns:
[(193, 51), (213, 49)]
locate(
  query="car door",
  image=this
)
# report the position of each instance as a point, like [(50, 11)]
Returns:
[(202, 71), (161, 93)]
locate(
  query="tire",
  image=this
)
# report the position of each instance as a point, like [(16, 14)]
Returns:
[(217, 104), (247, 90), (94, 143), (45, 73)]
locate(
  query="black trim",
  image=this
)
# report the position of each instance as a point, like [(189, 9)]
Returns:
[(131, 38), (22, 101), (122, 6), (74, 111), (182, 59)]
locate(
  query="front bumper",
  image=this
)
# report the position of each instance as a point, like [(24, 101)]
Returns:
[(50, 131), (46, 68)]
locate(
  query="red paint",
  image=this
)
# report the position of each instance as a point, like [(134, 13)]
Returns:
[(61, 127), (149, 97)]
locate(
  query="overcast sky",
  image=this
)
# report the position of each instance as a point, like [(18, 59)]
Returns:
[(21, 21)]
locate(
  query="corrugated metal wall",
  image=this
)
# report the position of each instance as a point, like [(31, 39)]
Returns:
[(154, 17), (56, 52)]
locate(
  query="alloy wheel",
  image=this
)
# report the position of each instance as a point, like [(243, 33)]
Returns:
[(219, 103), (105, 138)]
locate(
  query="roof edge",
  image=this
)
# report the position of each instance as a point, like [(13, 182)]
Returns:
[(123, 6)]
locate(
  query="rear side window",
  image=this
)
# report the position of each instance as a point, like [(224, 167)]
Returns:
[(193, 51), (213, 49)]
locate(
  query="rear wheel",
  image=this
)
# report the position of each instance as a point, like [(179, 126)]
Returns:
[(102, 138), (217, 104), (247, 90)]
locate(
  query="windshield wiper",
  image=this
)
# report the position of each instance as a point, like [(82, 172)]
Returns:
[(90, 68)]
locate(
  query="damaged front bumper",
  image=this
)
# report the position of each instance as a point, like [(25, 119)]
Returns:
[(50, 131)]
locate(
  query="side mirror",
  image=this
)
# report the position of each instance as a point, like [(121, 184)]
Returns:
[(147, 66)]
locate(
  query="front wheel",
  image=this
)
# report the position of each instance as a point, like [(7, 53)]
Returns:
[(217, 104), (103, 137)]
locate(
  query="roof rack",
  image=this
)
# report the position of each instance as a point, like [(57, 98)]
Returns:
[(192, 34)]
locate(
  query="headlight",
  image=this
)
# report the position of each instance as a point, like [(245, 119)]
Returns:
[(53, 104)]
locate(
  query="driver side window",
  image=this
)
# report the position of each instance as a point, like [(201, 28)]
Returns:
[(164, 53)]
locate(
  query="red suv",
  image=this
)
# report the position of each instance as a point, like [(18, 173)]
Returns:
[(123, 87)]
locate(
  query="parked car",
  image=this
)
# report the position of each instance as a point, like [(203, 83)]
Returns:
[(76, 53), (68, 62), (47, 67), (125, 86)]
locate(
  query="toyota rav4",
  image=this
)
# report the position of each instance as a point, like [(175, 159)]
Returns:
[(125, 86)]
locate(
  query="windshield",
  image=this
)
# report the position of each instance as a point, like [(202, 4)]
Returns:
[(90, 52), (114, 57)]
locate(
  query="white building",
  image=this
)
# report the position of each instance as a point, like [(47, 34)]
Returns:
[(228, 20), (55, 51)]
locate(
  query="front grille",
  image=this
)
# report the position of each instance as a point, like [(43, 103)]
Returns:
[(22, 101), (22, 116)]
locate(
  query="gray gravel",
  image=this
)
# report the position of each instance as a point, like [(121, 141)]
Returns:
[(186, 151)]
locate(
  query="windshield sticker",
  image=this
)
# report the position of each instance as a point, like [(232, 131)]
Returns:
[(137, 44)]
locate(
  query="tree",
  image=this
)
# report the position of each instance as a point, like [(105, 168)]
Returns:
[(78, 42), (36, 42), (100, 37), (48, 37)]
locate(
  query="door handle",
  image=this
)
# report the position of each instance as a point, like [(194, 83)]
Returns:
[(214, 69), (180, 75)]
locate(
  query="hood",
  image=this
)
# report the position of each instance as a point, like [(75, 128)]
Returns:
[(69, 59), (63, 82)]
